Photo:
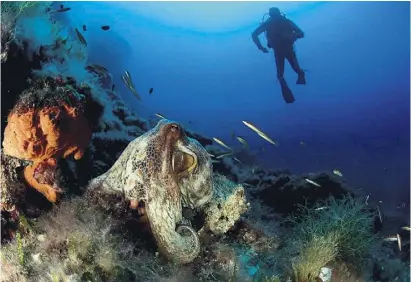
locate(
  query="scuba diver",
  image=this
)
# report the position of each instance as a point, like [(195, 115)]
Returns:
[(281, 33)]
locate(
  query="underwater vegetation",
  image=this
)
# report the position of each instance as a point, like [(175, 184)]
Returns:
[(90, 191), (341, 232)]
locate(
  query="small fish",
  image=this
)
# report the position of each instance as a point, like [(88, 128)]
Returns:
[(125, 81), (129, 83), (105, 27), (321, 208), (403, 205), (249, 185), (128, 76), (237, 160), (406, 228), (312, 182), (151, 90), (391, 239), (379, 213), (81, 37), (224, 155), (84, 27), (259, 132), (62, 9), (160, 116), (337, 172), (97, 69), (242, 141), (302, 143), (211, 155), (366, 199), (112, 87), (100, 68), (221, 143), (399, 242)]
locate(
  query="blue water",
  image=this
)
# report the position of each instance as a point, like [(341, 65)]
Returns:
[(353, 114)]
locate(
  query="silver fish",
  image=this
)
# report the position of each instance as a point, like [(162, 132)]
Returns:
[(221, 143), (259, 132), (379, 213), (312, 182)]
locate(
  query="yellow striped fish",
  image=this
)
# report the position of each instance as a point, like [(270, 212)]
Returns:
[(259, 132), (221, 143), (160, 115)]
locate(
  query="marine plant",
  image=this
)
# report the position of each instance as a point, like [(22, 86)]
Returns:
[(76, 242), (331, 231)]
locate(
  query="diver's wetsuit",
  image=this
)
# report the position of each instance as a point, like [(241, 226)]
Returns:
[(286, 51), (281, 35)]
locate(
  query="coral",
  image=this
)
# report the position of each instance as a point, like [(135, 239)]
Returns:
[(46, 124), (342, 231), (226, 206), (162, 169)]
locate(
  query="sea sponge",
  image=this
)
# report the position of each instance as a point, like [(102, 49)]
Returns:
[(46, 124), (226, 206)]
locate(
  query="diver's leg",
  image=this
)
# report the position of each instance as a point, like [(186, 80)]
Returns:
[(279, 62), (285, 90), (292, 59)]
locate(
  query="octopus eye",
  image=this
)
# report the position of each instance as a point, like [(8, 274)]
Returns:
[(174, 128)]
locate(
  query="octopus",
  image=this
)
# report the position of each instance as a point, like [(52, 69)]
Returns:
[(165, 170)]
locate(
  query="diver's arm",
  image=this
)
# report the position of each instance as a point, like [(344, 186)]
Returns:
[(256, 33), (297, 31)]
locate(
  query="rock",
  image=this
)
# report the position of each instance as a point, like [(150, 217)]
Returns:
[(285, 193), (226, 206), (12, 186)]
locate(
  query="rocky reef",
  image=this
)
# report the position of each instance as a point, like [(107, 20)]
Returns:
[(90, 191)]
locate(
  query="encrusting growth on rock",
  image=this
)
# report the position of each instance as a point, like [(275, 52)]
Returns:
[(45, 125), (226, 206)]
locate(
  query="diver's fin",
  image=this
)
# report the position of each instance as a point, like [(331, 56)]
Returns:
[(286, 91), (301, 78)]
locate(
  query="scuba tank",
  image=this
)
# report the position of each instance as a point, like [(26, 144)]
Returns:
[(264, 18)]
